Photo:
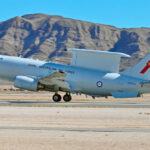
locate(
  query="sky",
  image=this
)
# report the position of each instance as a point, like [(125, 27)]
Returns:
[(119, 13)]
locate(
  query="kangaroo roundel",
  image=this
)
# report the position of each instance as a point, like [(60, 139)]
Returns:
[(99, 84)]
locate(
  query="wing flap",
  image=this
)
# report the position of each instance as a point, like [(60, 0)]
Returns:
[(56, 79)]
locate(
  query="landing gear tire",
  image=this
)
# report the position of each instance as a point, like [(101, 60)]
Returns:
[(67, 98), (56, 98)]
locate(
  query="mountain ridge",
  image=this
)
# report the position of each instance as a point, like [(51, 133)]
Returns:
[(46, 36)]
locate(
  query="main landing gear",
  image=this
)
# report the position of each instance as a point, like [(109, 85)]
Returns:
[(57, 97)]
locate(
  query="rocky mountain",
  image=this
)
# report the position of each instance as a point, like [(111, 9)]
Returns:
[(45, 37)]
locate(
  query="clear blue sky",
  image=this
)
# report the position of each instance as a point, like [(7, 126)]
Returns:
[(120, 13)]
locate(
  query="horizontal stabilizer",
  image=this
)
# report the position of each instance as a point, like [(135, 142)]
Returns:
[(145, 84)]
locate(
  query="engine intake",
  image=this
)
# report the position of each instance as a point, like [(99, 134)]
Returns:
[(26, 83)]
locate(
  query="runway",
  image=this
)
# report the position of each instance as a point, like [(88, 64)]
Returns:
[(74, 125), (100, 104), (77, 129), (31, 118)]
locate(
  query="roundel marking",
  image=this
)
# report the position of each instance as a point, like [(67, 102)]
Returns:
[(99, 84)]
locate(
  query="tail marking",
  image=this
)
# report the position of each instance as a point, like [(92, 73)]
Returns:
[(146, 67)]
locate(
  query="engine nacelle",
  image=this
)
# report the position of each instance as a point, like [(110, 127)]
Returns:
[(26, 83)]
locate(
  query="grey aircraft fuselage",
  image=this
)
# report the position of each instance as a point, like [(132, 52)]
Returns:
[(80, 80)]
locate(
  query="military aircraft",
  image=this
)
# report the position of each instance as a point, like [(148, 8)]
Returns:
[(92, 72)]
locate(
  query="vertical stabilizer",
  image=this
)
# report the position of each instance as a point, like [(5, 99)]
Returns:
[(140, 70)]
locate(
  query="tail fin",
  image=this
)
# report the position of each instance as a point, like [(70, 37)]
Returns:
[(140, 70)]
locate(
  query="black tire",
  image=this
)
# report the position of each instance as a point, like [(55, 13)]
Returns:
[(67, 98), (56, 98)]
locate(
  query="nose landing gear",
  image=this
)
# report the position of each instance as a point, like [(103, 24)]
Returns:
[(57, 97)]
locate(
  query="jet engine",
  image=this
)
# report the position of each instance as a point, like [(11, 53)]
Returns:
[(26, 83)]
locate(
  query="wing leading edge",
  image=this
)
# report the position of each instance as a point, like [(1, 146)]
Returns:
[(99, 60)]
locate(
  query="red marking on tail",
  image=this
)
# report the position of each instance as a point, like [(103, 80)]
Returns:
[(146, 67)]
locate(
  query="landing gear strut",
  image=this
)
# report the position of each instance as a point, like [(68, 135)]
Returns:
[(67, 97), (56, 97)]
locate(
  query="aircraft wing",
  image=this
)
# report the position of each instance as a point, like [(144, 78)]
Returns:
[(99, 60), (55, 80)]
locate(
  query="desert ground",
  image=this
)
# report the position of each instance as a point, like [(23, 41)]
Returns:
[(44, 128), (65, 127)]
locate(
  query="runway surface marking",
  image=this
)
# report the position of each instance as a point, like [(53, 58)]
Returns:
[(78, 129), (77, 104)]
